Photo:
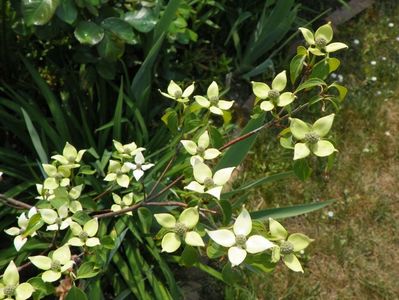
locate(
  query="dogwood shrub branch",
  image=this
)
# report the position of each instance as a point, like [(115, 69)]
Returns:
[(66, 205)]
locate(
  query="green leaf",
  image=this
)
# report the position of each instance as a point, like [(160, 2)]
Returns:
[(35, 223), (145, 217), (289, 211), (87, 270), (118, 115), (214, 250), (142, 20), (189, 256), (120, 28), (342, 91), (41, 288), (236, 153), (76, 294), (38, 12), (231, 275), (302, 169), (35, 138), (67, 11), (111, 47), (89, 33), (309, 84), (296, 67), (227, 211)]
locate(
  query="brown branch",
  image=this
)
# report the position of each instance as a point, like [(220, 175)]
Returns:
[(162, 175), (14, 202)]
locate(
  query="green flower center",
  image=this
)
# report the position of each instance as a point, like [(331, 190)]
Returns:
[(208, 182), (312, 138), (55, 266), (214, 100), (83, 235), (180, 229), (177, 94), (200, 150), (286, 247), (241, 240), (123, 204), (138, 166), (320, 42), (273, 94), (9, 290), (71, 159)]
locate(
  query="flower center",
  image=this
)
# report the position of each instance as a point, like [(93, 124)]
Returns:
[(180, 228), (241, 240), (286, 247), (200, 150), (55, 266), (58, 221), (320, 42), (9, 290), (177, 94), (71, 159), (208, 182), (83, 235), (214, 99), (273, 94), (138, 166), (312, 138)]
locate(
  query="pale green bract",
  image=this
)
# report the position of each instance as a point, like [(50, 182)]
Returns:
[(288, 245), (118, 172), (55, 265), (84, 236), (212, 101), (57, 220), (263, 91), (57, 176), (121, 203), (319, 43), (70, 156), (10, 288), (206, 183), (127, 150), (180, 229), (311, 137), (175, 92), (18, 232), (238, 240), (200, 150)]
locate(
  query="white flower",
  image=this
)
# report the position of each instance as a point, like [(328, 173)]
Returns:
[(84, 236), (139, 167), (1, 175), (330, 214), (373, 62), (373, 78), (117, 172), (215, 105), (127, 150), (383, 58), (391, 25), (23, 221), (10, 288), (206, 183), (200, 151), (176, 93), (397, 38), (340, 78), (57, 220), (387, 133), (378, 93), (356, 42), (333, 75), (237, 240), (121, 203)]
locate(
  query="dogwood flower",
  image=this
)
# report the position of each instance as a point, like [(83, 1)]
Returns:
[(206, 183), (74, 194), (200, 151), (10, 288), (57, 220), (288, 245), (127, 150), (238, 240), (117, 172), (18, 232), (44, 194), (84, 236), (121, 203), (176, 93), (180, 229), (57, 176), (139, 167), (70, 156), (311, 137), (320, 41), (59, 262), (215, 105), (263, 91)]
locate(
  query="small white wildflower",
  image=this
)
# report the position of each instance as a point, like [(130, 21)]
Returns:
[(366, 150), (391, 25), (397, 38), (378, 93), (383, 58), (373, 62), (302, 252), (387, 133), (340, 78), (333, 75), (330, 214), (373, 78), (356, 42)]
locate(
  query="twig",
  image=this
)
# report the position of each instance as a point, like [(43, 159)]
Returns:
[(162, 175), (103, 193), (15, 202)]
